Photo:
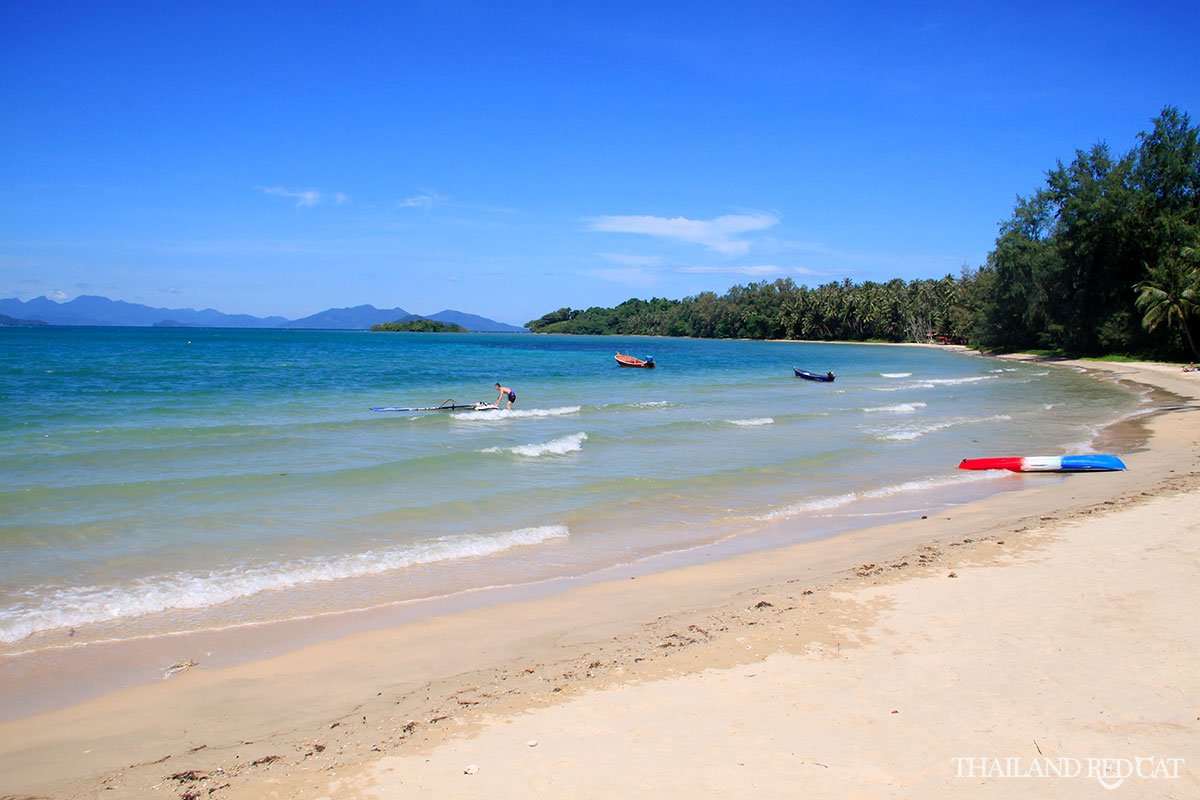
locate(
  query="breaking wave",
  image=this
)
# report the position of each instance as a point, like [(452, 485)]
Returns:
[(49, 608), (554, 447), (477, 416)]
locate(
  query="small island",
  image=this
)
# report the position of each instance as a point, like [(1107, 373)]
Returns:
[(420, 326)]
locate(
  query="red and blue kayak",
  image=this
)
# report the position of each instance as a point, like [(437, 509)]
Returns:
[(1086, 463)]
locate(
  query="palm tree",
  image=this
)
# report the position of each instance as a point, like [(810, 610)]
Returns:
[(1171, 294)]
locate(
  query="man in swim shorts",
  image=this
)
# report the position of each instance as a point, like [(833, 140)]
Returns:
[(505, 392)]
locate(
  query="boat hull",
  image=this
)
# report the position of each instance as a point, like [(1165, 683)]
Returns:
[(812, 376), (630, 361)]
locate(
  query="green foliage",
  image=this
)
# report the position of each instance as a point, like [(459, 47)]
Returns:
[(1071, 264), (419, 326), (1170, 295), (893, 312)]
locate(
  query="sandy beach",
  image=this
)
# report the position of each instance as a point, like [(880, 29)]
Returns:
[(1040, 643)]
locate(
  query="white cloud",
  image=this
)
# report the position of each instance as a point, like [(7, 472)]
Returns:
[(57, 296), (426, 199), (718, 234), (307, 198)]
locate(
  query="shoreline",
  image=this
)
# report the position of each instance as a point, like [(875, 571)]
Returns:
[(429, 681), (59, 667)]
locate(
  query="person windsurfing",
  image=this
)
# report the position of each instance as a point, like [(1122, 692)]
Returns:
[(505, 392)]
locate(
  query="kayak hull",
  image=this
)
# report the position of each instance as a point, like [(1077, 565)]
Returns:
[(1084, 463)]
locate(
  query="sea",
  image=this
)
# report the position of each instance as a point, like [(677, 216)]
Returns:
[(160, 481)]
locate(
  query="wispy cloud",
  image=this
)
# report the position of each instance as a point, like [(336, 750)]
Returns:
[(425, 199), (719, 234), (647, 273), (752, 271), (307, 198)]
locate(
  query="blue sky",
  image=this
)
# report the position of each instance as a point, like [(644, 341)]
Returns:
[(508, 159)]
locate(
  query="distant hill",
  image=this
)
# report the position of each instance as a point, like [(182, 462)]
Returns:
[(5, 319), (473, 323), (101, 311), (93, 310), (357, 318)]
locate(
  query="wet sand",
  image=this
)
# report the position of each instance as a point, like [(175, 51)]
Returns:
[(1055, 621)]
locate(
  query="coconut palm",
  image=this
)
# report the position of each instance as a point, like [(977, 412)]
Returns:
[(1171, 294)]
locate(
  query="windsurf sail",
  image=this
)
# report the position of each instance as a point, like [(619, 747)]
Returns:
[(447, 405)]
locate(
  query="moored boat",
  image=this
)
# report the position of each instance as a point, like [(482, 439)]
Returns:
[(630, 361), (828, 377)]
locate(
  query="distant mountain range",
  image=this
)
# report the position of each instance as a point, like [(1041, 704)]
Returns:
[(93, 310)]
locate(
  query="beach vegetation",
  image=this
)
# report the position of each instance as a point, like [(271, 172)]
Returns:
[(1170, 295), (1104, 258)]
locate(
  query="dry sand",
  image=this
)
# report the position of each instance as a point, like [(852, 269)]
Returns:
[(968, 654)]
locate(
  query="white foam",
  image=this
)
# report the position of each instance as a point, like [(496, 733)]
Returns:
[(896, 374), (957, 381), (51, 609), (899, 408), (478, 416), (933, 383), (554, 447), (752, 422), (910, 433), (838, 501)]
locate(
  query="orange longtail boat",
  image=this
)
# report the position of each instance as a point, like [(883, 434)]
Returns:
[(630, 361)]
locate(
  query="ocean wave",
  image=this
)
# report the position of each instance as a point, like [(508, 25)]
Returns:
[(837, 501), (957, 381), (554, 447), (933, 383), (895, 374), (752, 422), (899, 408), (910, 433), (55, 608), (478, 416)]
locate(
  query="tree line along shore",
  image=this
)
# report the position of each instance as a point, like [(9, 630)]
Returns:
[(1103, 259)]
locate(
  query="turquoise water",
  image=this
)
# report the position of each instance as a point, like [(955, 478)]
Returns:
[(164, 480)]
